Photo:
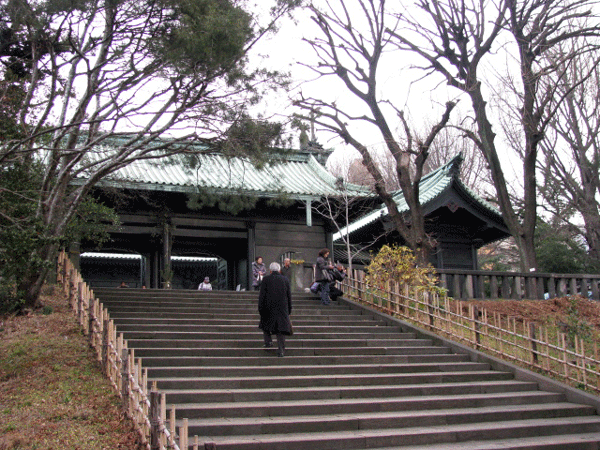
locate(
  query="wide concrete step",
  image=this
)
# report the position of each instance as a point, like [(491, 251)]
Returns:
[(255, 352), (282, 368), (404, 437), (349, 380), (223, 311), (183, 296), (251, 319), (292, 393), (210, 303), (316, 380), (295, 342), (293, 359), (234, 329), (345, 405), (213, 428), (577, 441), (181, 293), (211, 317), (257, 335)]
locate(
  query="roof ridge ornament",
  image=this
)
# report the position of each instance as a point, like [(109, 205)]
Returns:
[(455, 164)]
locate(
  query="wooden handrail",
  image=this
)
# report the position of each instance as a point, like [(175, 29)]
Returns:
[(481, 284), (546, 349)]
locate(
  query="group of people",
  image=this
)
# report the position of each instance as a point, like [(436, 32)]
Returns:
[(259, 271), (326, 276), (275, 297)]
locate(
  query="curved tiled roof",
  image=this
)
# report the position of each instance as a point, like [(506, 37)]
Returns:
[(431, 186), (299, 176)]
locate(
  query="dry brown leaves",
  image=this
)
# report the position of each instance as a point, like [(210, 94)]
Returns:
[(53, 392)]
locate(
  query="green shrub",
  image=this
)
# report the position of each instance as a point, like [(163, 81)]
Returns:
[(399, 264)]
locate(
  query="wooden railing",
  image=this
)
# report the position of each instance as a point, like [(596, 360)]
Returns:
[(480, 284), (146, 409), (548, 350)]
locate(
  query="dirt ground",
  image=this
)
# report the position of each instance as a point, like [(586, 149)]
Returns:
[(552, 311), (53, 394)]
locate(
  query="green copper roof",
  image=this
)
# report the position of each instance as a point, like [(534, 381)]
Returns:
[(431, 187), (298, 176)]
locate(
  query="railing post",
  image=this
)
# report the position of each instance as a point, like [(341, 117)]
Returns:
[(444, 281), (125, 378), (456, 286), (551, 287), (573, 286), (540, 287), (493, 287), (480, 287), (475, 320), (595, 292), (469, 286), (505, 287), (518, 290), (154, 420), (532, 339), (562, 287)]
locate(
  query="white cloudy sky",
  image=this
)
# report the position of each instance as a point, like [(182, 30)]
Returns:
[(420, 99)]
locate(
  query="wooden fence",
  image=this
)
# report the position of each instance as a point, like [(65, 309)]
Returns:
[(146, 409), (561, 354), (481, 284)]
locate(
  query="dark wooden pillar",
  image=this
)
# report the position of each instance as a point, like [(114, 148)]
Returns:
[(251, 251)]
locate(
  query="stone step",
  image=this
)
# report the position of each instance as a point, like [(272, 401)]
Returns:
[(295, 393), (293, 359), (292, 343), (282, 368), (255, 351), (316, 380), (213, 428), (256, 336), (208, 302), (350, 379), (403, 437), (234, 329), (253, 319), (230, 311), (186, 295), (578, 441), (307, 407)]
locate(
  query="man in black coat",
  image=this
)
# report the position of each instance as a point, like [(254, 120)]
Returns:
[(274, 307)]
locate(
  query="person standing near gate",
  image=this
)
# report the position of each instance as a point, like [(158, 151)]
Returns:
[(286, 269), (323, 275), (275, 307), (258, 272)]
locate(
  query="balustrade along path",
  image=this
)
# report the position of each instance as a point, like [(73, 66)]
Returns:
[(351, 378)]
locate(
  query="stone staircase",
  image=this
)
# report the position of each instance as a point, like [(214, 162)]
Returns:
[(350, 380)]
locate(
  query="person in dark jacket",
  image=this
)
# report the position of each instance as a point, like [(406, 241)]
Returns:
[(323, 275), (275, 307), (286, 269)]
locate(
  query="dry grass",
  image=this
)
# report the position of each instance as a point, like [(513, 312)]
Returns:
[(53, 394)]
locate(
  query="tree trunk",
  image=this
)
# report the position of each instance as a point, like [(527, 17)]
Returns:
[(523, 237), (32, 289), (31, 285)]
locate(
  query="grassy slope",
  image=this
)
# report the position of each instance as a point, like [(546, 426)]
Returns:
[(53, 394)]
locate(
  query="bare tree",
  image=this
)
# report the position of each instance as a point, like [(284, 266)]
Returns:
[(455, 39), (109, 82), (352, 52), (339, 210), (571, 163)]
